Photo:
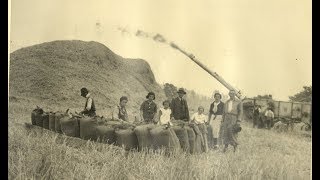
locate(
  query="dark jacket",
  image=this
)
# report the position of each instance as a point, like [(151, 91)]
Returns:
[(149, 110), (179, 109), (219, 110)]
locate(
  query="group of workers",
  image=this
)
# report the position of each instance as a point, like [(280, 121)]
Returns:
[(262, 120), (223, 117)]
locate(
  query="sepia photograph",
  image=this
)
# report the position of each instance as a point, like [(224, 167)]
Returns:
[(168, 89)]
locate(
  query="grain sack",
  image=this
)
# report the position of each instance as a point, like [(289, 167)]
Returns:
[(70, 126), (174, 141), (88, 128), (126, 138), (179, 122), (34, 116), (37, 117), (120, 124), (182, 135), (52, 121), (192, 138), (105, 134), (143, 135), (163, 137), (209, 136), (57, 124), (198, 140), (198, 144), (45, 120)]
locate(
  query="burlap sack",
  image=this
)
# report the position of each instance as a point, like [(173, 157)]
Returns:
[(88, 128), (70, 126), (144, 137), (45, 121), (105, 134), (182, 135), (192, 139), (57, 125), (35, 120), (126, 138), (52, 121), (165, 138)]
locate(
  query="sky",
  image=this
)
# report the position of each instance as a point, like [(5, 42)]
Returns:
[(259, 47)]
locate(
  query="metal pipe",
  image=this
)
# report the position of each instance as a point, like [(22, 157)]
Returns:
[(214, 74)]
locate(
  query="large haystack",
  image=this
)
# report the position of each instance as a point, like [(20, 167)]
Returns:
[(52, 74)]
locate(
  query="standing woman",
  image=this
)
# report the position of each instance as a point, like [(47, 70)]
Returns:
[(148, 109), (215, 117), (232, 115)]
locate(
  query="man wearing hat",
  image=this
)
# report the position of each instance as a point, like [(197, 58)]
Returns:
[(179, 107), (89, 109), (148, 109)]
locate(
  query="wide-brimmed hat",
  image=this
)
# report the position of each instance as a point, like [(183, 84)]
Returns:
[(181, 90), (151, 93)]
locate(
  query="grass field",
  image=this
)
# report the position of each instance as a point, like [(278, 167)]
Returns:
[(262, 154)]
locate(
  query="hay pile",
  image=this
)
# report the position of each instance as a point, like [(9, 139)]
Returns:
[(51, 75)]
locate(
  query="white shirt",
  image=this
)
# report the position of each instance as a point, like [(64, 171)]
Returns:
[(165, 116), (89, 101), (230, 106), (215, 106), (199, 118), (269, 113)]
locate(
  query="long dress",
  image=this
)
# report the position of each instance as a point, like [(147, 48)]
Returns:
[(232, 113), (216, 112), (165, 116)]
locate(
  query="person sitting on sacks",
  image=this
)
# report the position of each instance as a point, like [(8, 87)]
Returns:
[(120, 111), (179, 107), (200, 120), (89, 109), (148, 109), (164, 114)]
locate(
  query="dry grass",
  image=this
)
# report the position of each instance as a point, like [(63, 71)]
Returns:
[(262, 154)]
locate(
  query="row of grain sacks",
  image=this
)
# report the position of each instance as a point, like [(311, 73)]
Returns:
[(131, 136)]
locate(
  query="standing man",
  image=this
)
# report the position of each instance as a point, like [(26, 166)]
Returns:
[(256, 116), (89, 109), (269, 118), (148, 109), (232, 115), (179, 107)]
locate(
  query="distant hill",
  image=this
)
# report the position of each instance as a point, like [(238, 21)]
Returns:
[(53, 73)]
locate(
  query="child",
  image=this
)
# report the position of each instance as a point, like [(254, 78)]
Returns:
[(200, 119), (164, 113)]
